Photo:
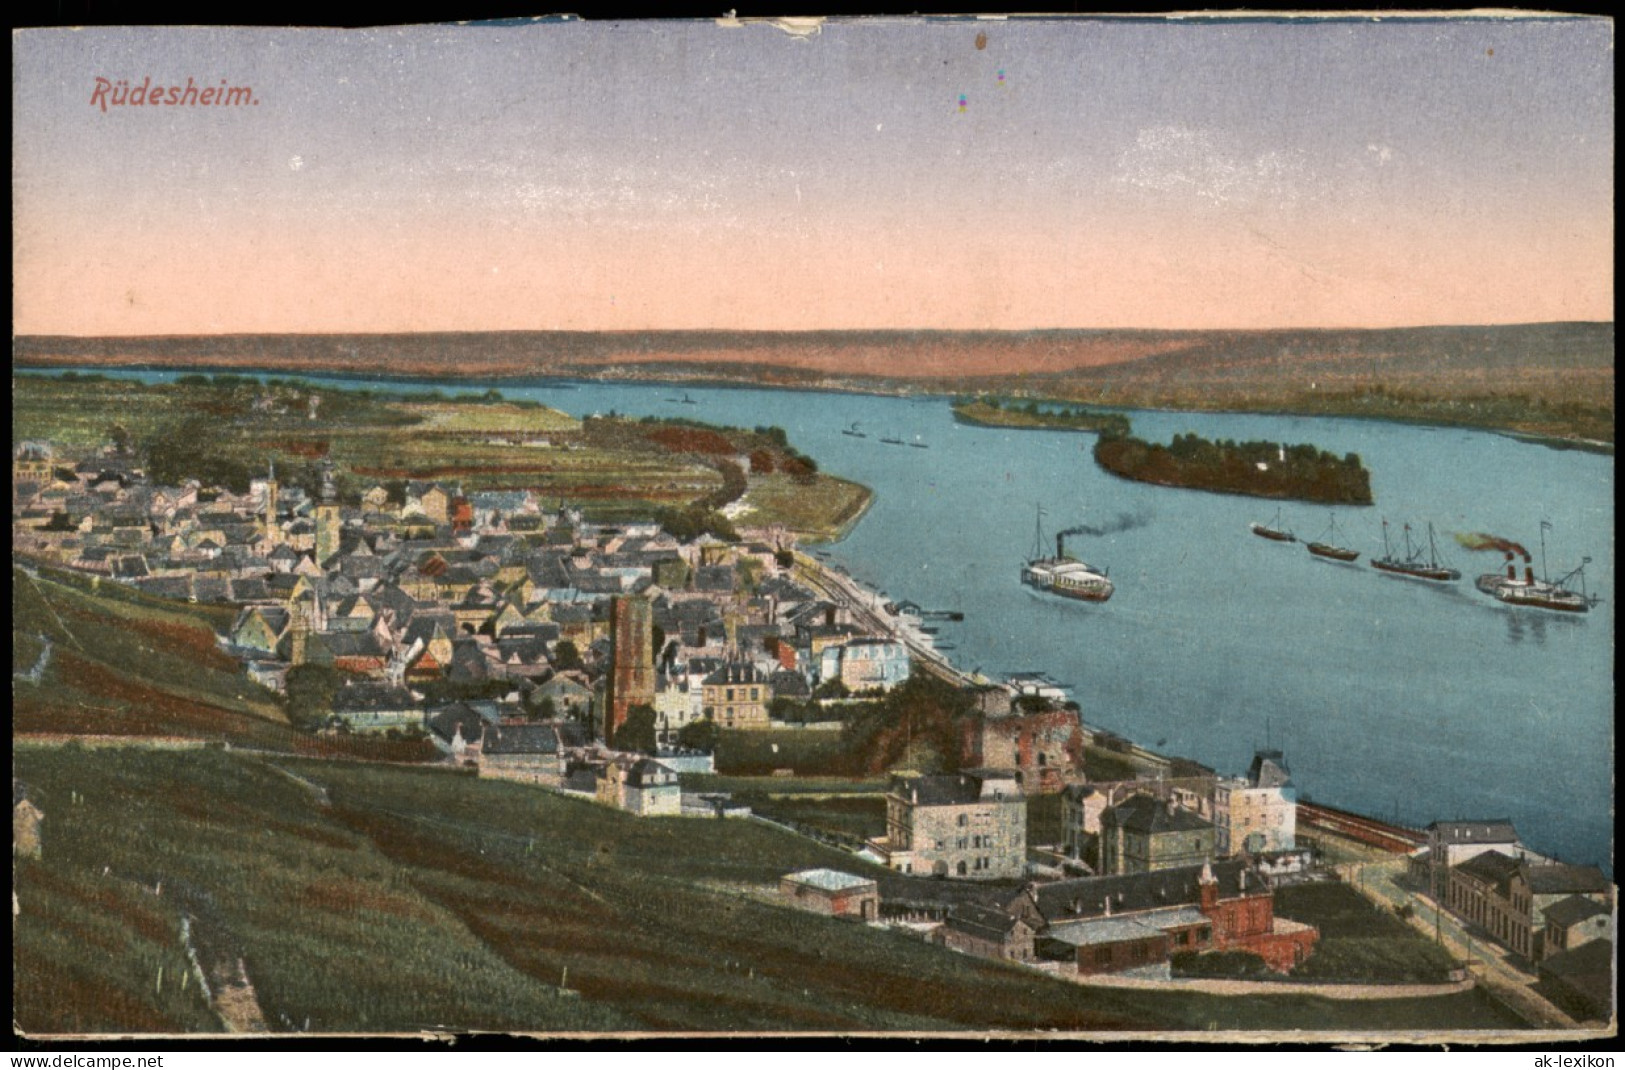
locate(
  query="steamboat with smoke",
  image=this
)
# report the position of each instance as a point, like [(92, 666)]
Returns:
[(1413, 563), (1064, 574), (1528, 591)]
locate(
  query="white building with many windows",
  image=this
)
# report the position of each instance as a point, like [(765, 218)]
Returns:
[(1258, 812)]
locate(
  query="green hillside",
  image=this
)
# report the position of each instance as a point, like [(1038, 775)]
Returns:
[(355, 896), (123, 663), (366, 897)]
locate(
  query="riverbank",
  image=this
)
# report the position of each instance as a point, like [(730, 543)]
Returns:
[(819, 511), (1584, 445)]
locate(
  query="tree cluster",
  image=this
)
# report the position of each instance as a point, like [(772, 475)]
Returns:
[(921, 715), (190, 449), (686, 525), (1262, 469), (637, 732), (308, 694), (699, 735)]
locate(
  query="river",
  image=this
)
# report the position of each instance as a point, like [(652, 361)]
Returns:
[(1389, 696)]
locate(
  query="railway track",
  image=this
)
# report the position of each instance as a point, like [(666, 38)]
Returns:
[(1367, 830)]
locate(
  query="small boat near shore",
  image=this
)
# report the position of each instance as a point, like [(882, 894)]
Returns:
[(1274, 530), (1325, 546), (853, 431)]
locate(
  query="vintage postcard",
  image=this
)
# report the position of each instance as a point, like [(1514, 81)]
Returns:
[(1010, 526)]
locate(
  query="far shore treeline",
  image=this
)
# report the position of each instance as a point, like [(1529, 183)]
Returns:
[(1554, 381)]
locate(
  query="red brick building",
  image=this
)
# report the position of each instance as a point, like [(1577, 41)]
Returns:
[(1136, 921)]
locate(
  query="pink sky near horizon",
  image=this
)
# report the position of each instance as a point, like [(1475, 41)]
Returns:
[(1172, 212)]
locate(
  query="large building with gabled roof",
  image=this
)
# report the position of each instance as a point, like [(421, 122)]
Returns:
[(971, 824), (1142, 834)]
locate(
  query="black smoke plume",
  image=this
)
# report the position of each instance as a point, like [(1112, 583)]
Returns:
[(1123, 522)]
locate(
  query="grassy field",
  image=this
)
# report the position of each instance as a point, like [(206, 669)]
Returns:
[(1359, 942), (860, 816), (365, 897), (496, 417), (863, 814), (329, 928), (758, 752), (799, 785), (824, 510), (129, 665)]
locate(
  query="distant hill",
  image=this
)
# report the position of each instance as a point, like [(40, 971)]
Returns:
[(1431, 351), (905, 354), (913, 355), (1542, 378)]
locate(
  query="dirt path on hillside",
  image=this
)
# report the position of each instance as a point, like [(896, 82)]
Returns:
[(1222, 987)]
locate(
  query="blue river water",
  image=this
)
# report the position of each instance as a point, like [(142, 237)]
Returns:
[(1389, 696)]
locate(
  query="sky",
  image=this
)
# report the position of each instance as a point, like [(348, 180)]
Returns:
[(951, 174)]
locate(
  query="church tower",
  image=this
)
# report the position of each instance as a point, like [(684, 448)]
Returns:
[(300, 633), (327, 518), (273, 531), (632, 668)]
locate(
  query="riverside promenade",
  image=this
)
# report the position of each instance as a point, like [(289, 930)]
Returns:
[(868, 609)]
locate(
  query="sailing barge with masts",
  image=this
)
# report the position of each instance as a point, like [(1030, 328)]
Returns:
[(1412, 564), (1326, 547), (1274, 530)]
